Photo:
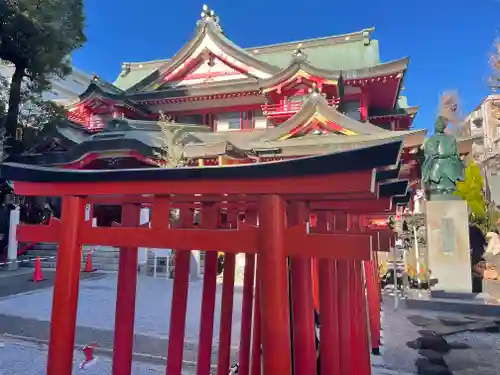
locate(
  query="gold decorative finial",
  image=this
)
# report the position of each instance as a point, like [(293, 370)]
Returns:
[(95, 77), (315, 90), (208, 14), (298, 54)]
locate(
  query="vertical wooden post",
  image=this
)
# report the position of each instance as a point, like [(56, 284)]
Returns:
[(373, 306), (226, 314), (209, 220), (179, 301), (256, 367), (304, 351), (246, 315), (275, 310), (345, 317), (329, 309), (125, 298), (65, 301), (359, 323)]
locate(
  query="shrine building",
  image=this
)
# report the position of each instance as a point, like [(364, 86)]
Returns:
[(215, 103)]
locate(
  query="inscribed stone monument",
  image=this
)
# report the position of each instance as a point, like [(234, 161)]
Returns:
[(446, 213)]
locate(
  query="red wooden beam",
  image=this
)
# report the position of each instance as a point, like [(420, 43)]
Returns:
[(365, 205), (38, 233), (197, 200), (354, 182), (244, 240)]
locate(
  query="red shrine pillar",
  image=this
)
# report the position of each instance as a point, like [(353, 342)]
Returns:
[(247, 307), (256, 340), (329, 285), (275, 318), (226, 313), (65, 301), (361, 361), (209, 220), (336, 223), (125, 297), (304, 351), (179, 295)]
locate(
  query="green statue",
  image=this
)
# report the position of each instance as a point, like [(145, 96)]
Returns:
[(442, 167)]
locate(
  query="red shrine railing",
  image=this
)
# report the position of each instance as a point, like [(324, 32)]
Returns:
[(296, 269), (288, 109)]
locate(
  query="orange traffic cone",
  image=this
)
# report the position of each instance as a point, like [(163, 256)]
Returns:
[(37, 273), (88, 263)]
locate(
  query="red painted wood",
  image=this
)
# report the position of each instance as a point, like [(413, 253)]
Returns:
[(231, 241), (345, 315), (359, 325), (329, 332), (65, 300), (246, 315), (352, 182), (274, 286), (240, 200), (373, 298), (125, 298), (226, 315), (256, 365), (365, 206), (304, 351), (179, 303), (209, 219)]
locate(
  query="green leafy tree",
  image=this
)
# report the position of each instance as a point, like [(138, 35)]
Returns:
[(36, 115), (37, 36), (471, 191)]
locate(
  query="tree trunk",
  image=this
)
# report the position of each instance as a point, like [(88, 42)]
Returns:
[(13, 111)]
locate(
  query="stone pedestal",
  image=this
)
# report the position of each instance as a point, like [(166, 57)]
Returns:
[(448, 245)]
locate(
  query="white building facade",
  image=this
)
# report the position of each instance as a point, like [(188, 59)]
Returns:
[(484, 123), (64, 90)]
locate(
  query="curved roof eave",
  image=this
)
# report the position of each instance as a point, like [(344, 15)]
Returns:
[(391, 67), (317, 104), (95, 90), (296, 66), (204, 27)]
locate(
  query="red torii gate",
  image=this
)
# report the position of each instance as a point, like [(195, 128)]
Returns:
[(276, 196)]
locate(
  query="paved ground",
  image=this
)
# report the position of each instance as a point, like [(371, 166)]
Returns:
[(28, 314), (404, 352), (25, 358), (16, 282), (429, 343)]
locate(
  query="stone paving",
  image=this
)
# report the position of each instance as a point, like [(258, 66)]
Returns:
[(96, 306), (28, 314), (420, 342), (25, 358)]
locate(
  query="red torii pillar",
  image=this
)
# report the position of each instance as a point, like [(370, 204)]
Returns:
[(304, 351)]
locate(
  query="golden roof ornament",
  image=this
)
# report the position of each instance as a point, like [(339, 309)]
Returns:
[(315, 90), (298, 54), (208, 14)]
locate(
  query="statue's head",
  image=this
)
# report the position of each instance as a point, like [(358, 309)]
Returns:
[(440, 125)]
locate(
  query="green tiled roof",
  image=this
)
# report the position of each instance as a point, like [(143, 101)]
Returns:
[(349, 51), (341, 56)]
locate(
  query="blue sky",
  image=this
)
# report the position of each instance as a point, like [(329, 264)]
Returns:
[(448, 40)]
